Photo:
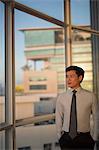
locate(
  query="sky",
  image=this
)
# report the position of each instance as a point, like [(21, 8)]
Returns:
[(80, 16)]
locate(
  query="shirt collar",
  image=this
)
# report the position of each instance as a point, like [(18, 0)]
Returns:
[(78, 89)]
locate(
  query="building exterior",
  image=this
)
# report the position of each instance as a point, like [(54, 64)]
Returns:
[(44, 78), (34, 136), (15, 15), (45, 55)]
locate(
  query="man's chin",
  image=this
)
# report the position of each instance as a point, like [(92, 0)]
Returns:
[(70, 86)]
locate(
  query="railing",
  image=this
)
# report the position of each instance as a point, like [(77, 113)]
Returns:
[(32, 120), (29, 120)]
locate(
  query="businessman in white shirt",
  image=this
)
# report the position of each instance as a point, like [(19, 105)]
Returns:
[(85, 108)]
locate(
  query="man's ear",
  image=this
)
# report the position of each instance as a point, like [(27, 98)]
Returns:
[(80, 78)]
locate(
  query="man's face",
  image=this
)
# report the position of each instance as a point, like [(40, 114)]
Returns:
[(73, 81)]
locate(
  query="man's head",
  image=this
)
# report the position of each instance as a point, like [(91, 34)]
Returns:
[(74, 76)]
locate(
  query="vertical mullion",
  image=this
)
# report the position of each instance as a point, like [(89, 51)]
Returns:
[(13, 79), (68, 40), (94, 11), (9, 75)]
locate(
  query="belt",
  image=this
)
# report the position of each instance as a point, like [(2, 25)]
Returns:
[(78, 133), (83, 133)]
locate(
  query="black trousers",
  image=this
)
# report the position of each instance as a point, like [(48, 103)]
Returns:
[(83, 141)]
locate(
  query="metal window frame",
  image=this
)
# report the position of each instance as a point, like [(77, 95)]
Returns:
[(11, 123), (10, 76)]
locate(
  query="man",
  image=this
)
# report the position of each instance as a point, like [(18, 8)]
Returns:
[(78, 103)]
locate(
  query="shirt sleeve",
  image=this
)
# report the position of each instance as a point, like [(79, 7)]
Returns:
[(59, 116), (95, 113)]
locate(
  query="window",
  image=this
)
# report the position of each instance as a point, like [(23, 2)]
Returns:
[(25, 148), (48, 146), (36, 65), (34, 50), (59, 38), (55, 6), (37, 87)]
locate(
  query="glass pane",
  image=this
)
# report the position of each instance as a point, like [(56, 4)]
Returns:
[(40, 63), (82, 55), (80, 12), (37, 138), (2, 140), (39, 52), (49, 7), (2, 65)]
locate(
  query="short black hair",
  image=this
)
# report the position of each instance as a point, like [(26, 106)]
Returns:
[(79, 70)]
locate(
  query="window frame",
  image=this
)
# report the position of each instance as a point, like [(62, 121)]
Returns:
[(11, 123)]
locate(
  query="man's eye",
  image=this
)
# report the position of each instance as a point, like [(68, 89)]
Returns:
[(71, 76)]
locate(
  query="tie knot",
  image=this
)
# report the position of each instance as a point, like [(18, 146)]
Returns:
[(74, 91)]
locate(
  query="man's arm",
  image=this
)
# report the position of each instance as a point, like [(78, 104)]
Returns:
[(95, 113)]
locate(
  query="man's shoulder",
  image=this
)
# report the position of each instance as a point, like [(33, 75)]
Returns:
[(85, 91), (64, 94)]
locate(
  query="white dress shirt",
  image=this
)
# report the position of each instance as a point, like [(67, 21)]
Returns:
[(86, 105)]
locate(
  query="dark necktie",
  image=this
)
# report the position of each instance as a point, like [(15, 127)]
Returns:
[(73, 117)]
